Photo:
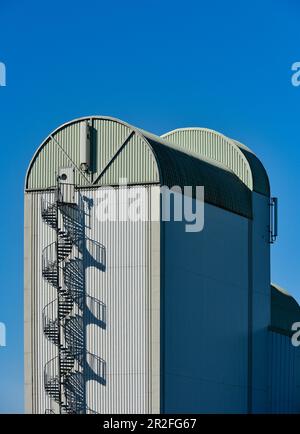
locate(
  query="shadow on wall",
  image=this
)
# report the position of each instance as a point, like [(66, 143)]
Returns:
[(75, 307), (92, 310)]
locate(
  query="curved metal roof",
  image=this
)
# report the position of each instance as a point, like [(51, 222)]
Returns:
[(284, 310), (261, 183), (135, 161), (221, 187), (120, 150), (234, 155)]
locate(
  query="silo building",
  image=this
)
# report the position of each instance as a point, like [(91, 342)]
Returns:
[(147, 276)]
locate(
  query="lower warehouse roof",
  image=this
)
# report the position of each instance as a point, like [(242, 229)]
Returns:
[(284, 310)]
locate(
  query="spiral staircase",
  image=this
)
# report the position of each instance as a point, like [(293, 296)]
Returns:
[(63, 318), (60, 371)]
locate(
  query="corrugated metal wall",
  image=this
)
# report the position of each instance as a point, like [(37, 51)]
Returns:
[(284, 374), (42, 293), (124, 289), (118, 318)]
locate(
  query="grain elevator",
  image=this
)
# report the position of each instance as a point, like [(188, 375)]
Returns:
[(128, 312)]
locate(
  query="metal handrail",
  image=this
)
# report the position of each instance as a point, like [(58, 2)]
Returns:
[(96, 364), (51, 370), (49, 256), (52, 318), (97, 308), (46, 204)]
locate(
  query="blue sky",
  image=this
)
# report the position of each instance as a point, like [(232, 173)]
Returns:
[(157, 64)]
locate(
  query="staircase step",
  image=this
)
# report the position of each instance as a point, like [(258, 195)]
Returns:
[(53, 389)]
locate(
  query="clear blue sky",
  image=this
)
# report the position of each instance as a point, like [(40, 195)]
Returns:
[(157, 64)]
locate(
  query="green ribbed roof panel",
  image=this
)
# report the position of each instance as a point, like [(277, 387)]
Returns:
[(211, 144), (135, 162), (221, 187), (120, 150), (49, 157), (232, 154), (260, 177)]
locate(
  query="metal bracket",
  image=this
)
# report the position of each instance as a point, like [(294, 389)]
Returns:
[(273, 219)]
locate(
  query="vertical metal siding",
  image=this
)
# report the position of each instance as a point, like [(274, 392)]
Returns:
[(284, 374), (124, 289), (42, 294), (122, 282)]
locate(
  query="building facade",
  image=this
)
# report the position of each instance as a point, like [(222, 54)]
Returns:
[(129, 312)]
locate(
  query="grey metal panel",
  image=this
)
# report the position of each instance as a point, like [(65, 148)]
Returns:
[(124, 288), (260, 264), (42, 294), (126, 281), (284, 374), (206, 315), (155, 261), (211, 144), (27, 304)]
